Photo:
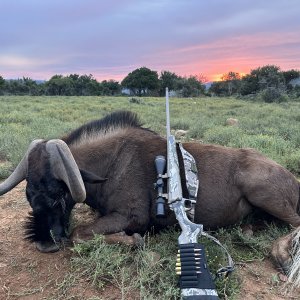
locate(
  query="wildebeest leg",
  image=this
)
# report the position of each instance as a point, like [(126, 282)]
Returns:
[(113, 224), (108, 224), (134, 240), (280, 199), (280, 209)]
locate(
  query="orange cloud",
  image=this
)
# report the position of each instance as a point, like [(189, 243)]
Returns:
[(238, 54)]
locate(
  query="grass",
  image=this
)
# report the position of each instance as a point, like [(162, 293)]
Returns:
[(273, 129), (149, 273)]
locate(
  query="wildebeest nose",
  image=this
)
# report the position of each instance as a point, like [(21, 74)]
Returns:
[(50, 247), (47, 247)]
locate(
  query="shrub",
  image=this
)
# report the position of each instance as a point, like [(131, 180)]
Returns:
[(135, 100), (272, 94)]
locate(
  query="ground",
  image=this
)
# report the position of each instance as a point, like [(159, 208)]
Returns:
[(27, 274)]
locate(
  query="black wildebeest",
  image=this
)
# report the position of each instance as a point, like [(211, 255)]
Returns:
[(60, 173)]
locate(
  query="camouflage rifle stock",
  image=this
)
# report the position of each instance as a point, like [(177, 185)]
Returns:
[(195, 279)]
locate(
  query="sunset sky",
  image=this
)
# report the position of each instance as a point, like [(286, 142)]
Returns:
[(109, 39)]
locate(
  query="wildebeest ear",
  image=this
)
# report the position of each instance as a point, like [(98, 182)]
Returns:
[(91, 177)]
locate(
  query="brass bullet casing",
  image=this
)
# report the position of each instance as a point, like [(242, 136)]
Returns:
[(188, 273), (191, 268), (185, 255), (187, 259), (188, 264), (189, 251)]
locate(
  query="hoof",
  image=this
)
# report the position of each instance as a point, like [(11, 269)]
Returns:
[(47, 247)]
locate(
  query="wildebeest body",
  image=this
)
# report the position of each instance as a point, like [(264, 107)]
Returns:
[(232, 181), (62, 172)]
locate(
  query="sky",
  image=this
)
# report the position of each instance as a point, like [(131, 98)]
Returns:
[(109, 39)]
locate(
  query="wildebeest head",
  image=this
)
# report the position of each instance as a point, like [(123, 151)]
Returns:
[(54, 185)]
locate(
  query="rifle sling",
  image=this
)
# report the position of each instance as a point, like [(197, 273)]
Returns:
[(190, 173), (191, 186)]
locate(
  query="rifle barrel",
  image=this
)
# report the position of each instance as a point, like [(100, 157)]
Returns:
[(168, 114)]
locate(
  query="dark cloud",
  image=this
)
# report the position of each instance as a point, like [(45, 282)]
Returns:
[(111, 38)]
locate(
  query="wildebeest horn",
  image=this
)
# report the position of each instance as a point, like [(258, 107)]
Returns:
[(65, 168), (20, 171)]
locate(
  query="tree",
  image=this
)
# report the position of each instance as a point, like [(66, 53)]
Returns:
[(2, 85), (86, 85), (288, 76), (202, 78), (59, 85), (169, 80), (23, 86), (233, 82), (190, 87), (30, 86), (249, 85), (110, 88), (262, 78), (218, 88), (141, 81), (269, 76), (73, 85)]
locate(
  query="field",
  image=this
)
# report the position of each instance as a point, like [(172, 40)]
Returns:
[(88, 271)]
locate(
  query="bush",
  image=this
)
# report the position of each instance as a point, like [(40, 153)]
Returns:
[(249, 97), (296, 91), (272, 94), (136, 100)]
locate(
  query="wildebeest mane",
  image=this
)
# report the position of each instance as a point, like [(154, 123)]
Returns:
[(111, 122)]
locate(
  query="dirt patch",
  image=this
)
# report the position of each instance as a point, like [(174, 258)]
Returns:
[(26, 273), (260, 280)]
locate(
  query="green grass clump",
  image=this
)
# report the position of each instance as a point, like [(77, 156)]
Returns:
[(149, 272)]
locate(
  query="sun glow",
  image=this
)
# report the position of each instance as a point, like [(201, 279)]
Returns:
[(216, 77)]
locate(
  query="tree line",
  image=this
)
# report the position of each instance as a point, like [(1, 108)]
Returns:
[(267, 82), (59, 85), (142, 81)]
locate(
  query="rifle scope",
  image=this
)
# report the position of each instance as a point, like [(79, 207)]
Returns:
[(160, 165)]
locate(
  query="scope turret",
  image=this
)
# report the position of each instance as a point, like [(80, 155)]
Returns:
[(160, 164)]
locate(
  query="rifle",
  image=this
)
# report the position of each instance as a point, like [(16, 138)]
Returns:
[(195, 281)]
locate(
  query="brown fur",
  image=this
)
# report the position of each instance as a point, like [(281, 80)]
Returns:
[(232, 182)]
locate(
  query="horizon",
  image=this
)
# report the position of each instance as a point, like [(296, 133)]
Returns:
[(205, 82), (110, 40)]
